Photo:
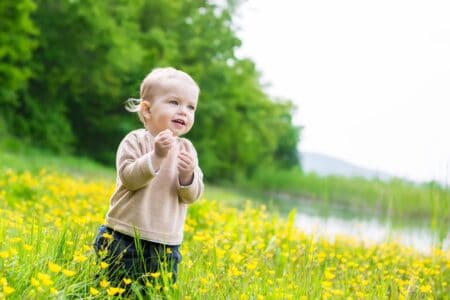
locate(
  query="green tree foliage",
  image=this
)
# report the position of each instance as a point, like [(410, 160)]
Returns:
[(92, 55), (84, 63), (17, 41)]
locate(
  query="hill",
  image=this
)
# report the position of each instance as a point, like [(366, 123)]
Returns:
[(324, 165)]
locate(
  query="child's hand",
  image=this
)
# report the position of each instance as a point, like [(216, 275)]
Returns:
[(163, 143), (186, 166)]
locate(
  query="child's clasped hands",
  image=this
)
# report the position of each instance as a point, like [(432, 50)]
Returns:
[(164, 142)]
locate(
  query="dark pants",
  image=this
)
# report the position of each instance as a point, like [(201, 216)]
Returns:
[(136, 259)]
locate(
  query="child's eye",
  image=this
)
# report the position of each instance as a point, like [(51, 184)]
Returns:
[(174, 102), (191, 107)]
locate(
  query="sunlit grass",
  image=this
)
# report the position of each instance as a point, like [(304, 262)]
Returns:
[(394, 198), (48, 222)]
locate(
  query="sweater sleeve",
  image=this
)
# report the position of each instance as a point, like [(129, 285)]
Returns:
[(133, 167), (190, 193)]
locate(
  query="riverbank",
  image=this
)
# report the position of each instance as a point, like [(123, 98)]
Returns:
[(395, 198)]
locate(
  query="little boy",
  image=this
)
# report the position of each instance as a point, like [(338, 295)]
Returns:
[(157, 177)]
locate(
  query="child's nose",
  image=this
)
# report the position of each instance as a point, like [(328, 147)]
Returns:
[(182, 110)]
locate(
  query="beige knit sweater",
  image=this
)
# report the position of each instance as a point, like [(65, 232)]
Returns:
[(152, 204)]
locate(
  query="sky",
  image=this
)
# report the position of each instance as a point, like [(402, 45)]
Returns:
[(370, 79)]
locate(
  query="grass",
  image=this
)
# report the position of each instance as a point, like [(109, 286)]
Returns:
[(48, 222), (397, 201), (233, 248), (395, 198), (21, 156)]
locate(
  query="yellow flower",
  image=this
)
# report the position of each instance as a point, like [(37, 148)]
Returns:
[(93, 291), (169, 251), (127, 281), (155, 275), (34, 282), (14, 240), (189, 264), (86, 248), (104, 283), (112, 291), (54, 267), (4, 254), (338, 292), (107, 236), (236, 257), (326, 284), (326, 295), (27, 247), (68, 273), (321, 257), (328, 275), (7, 290), (220, 253), (425, 288), (53, 291), (233, 271), (103, 265), (79, 258), (251, 265), (45, 279)]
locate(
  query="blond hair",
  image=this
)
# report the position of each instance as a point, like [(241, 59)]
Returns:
[(151, 82)]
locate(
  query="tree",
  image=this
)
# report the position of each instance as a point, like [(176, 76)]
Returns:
[(92, 55), (83, 65), (17, 41)]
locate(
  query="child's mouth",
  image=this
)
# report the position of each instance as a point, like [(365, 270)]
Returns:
[(179, 121)]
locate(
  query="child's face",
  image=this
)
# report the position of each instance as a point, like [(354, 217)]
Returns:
[(172, 107)]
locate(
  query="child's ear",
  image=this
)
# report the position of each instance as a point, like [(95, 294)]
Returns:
[(145, 109)]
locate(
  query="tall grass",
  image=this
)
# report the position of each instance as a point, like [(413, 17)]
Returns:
[(48, 222), (396, 198)]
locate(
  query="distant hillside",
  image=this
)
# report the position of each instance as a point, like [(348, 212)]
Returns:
[(324, 165)]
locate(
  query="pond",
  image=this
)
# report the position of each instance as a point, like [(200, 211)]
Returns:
[(331, 221)]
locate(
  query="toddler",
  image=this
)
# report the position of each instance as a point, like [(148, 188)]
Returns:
[(157, 177)]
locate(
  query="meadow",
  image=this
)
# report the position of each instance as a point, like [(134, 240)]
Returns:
[(55, 96), (48, 220)]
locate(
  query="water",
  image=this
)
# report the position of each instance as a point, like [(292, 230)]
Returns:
[(330, 220), (336, 221)]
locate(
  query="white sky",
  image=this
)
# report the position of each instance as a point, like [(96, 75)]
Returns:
[(371, 79)]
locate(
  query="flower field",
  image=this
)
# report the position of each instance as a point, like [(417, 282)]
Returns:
[(48, 222)]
